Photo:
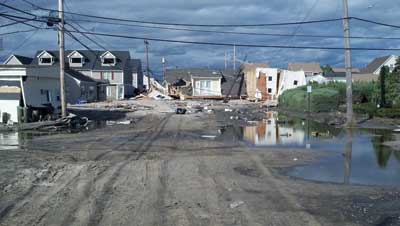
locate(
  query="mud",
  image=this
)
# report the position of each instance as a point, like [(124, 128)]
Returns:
[(160, 171)]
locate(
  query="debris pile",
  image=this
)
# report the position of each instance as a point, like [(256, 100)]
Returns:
[(71, 122)]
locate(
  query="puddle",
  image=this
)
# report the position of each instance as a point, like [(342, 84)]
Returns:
[(358, 156), (14, 140)]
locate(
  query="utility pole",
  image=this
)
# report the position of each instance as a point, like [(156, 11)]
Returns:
[(163, 66), (349, 78), (234, 57), (147, 64), (226, 65), (62, 61)]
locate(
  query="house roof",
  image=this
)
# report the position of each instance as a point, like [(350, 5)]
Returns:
[(174, 75), (54, 72), (22, 59), (135, 64), (228, 78), (306, 67), (375, 64), (341, 70), (92, 59), (253, 66)]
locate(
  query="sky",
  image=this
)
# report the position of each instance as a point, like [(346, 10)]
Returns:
[(215, 12)]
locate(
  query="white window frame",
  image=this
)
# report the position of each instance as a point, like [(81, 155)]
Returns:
[(50, 63)]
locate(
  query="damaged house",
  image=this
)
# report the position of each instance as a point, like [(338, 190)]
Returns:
[(266, 84), (38, 87), (204, 84)]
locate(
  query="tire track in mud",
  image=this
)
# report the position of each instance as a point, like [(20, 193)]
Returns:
[(102, 201), (26, 200)]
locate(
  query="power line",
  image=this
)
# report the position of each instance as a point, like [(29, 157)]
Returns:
[(16, 32), (87, 37), (77, 40), (234, 32), (10, 17), (13, 23), (18, 10), (232, 44), (186, 24), (66, 3), (377, 23)]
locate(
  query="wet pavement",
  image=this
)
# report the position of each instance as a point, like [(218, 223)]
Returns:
[(356, 157)]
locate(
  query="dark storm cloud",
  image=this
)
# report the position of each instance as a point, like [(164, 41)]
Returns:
[(219, 12)]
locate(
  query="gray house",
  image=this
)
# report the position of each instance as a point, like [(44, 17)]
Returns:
[(114, 69), (204, 83)]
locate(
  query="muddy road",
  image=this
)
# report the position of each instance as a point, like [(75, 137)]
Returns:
[(161, 171)]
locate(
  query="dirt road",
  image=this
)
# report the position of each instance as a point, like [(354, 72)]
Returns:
[(161, 171)]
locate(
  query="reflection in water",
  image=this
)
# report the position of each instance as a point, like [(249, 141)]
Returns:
[(9, 140), (358, 155), (270, 132), (347, 156)]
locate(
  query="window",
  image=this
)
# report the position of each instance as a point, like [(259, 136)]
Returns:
[(295, 82), (205, 84), (108, 61), (270, 78), (76, 60), (46, 60), (107, 75), (269, 90)]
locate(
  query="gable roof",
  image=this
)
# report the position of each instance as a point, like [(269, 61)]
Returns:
[(92, 59), (306, 67), (54, 72), (174, 75), (40, 53), (22, 59), (375, 64), (75, 51), (79, 76)]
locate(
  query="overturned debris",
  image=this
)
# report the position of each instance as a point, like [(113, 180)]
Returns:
[(72, 122)]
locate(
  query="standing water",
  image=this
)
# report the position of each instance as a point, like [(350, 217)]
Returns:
[(358, 156)]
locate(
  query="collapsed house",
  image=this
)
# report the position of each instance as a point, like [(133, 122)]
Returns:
[(267, 84), (204, 84)]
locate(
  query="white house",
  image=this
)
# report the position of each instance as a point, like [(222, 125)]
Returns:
[(269, 133), (271, 83), (291, 80), (36, 86), (375, 66)]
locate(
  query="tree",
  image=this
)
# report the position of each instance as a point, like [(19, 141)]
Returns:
[(397, 65), (382, 80), (327, 69)]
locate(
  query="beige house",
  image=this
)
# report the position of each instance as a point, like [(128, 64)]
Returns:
[(310, 69), (251, 77)]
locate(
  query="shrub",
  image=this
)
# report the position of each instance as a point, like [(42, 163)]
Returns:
[(322, 99), (389, 112)]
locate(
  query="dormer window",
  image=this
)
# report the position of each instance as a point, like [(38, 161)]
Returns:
[(45, 58), (108, 59), (76, 59)]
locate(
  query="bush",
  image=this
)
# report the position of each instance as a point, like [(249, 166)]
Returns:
[(322, 99), (389, 112), (365, 108)]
